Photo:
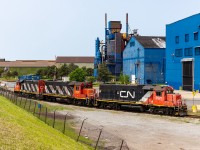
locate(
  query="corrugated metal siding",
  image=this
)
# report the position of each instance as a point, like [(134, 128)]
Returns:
[(189, 26), (145, 64)]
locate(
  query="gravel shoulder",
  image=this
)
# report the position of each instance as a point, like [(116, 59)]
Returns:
[(143, 131)]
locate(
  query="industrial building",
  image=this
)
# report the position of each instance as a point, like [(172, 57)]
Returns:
[(183, 53), (144, 59), (140, 57), (81, 61), (26, 63), (111, 51), (87, 61)]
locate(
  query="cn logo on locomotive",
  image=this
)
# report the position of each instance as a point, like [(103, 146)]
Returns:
[(126, 94)]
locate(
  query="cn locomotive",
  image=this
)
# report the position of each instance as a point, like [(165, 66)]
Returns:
[(148, 98)]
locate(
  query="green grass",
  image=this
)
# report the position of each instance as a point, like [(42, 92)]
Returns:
[(21, 130), (9, 79), (54, 107), (25, 70)]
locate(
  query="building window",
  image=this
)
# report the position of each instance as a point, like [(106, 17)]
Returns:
[(132, 43), (177, 39), (196, 34), (188, 51), (186, 37), (197, 51), (178, 52)]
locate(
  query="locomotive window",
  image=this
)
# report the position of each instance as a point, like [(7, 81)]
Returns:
[(77, 88), (158, 94), (169, 92)]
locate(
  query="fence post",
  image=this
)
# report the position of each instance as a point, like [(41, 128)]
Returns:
[(13, 97), (81, 129), (46, 115), (29, 106), (34, 108), (9, 96), (64, 124), (98, 139), (121, 144), (54, 117), (25, 103), (40, 110), (20, 101), (16, 99)]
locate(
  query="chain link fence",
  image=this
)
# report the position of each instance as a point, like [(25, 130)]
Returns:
[(78, 129)]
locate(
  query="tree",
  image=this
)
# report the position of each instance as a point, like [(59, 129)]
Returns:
[(77, 75), (89, 71), (63, 71), (15, 73), (72, 67), (90, 79), (1, 71), (51, 71), (104, 74), (8, 74), (40, 72), (124, 79)]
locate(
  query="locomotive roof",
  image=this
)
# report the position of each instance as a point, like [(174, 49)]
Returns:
[(160, 88), (78, 83), (148, 87)]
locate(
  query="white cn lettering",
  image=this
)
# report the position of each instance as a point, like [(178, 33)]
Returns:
[(125, 94)]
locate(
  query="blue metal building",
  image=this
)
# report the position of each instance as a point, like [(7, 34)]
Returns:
[(144, 59), (183, 53)]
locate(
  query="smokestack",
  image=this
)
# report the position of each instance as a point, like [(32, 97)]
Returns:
[(106, 20), (126, 25), (105, 36)]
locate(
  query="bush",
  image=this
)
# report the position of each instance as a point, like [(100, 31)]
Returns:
[(77, 75)]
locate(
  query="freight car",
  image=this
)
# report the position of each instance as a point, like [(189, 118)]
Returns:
[(154, 99)]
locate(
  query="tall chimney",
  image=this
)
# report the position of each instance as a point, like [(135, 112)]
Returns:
[(105, 36), (126, 24)]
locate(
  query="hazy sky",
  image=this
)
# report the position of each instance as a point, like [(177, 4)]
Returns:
[(43, 29)]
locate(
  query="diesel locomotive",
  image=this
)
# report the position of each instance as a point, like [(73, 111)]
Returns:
[(148, 98)]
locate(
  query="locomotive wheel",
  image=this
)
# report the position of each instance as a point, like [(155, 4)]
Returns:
[(171, 112), (166, 111), (117, 106), (151, 110)]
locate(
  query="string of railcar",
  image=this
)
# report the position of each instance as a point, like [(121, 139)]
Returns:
[(146, 98)]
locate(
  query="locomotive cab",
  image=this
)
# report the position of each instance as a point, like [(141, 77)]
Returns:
[(84, 90), (165, 96), (17, 87), (166, 101)]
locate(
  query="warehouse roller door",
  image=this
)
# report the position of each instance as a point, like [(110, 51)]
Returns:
[(187, 75)]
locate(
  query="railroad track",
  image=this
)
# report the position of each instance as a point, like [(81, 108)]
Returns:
[(193, 116)]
